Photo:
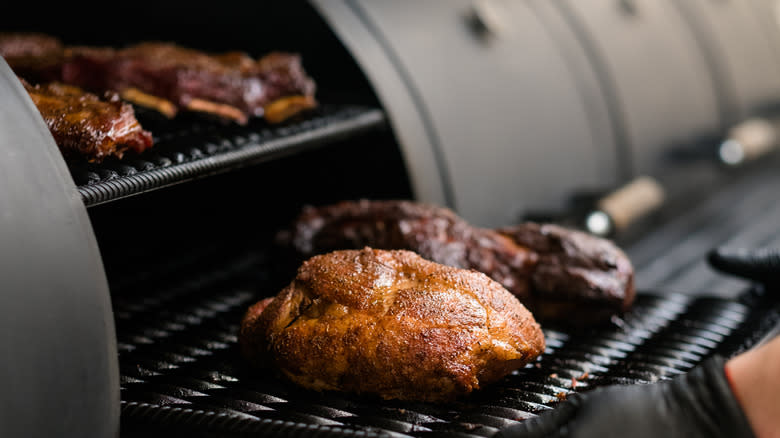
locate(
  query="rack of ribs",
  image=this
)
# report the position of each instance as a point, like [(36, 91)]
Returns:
[(169, 78), (83, 124), (562, 275)]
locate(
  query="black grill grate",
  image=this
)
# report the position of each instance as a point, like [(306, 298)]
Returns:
[(187, 148), (742, 214), (180, 369)]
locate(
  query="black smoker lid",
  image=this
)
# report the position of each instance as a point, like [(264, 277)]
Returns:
[(181, 372)]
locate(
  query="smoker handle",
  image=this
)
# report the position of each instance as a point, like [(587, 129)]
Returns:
[(623, 207), (58, 354), (749, 140)]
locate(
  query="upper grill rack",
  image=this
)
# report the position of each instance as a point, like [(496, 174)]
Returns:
[(186, 149), (180, 370)]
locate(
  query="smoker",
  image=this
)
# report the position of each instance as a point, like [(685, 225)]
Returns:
[(651, 122)]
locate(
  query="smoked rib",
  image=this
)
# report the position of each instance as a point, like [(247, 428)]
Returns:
[(169, 77), (85, 125)]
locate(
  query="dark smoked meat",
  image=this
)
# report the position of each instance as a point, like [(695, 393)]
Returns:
[(169, 78), (437, 234), (230, 85), (560, 274), (85, 125), (34, 56), (391, 324), (576, 272)]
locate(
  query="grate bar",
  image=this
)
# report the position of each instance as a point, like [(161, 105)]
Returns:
[(181, 369), (198, 150)]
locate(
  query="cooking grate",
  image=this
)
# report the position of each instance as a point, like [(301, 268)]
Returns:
[(180, 370), (742, 214), (189, 147)]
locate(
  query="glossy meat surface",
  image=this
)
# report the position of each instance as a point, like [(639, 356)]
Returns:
[(181, 74), (189, 78), (85, 125), (578, 276), (392, 324), (168, 77), (560, 274)]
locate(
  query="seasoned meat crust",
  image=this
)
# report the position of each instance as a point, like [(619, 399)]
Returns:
[(435, 233), (392, 324), (560, 274)]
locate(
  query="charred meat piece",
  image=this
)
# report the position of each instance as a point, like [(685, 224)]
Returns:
[(577, 275), (560, 274), (169, 78), (392, 324), (85, 125), (437, 234), (34, 56), (232, 85)]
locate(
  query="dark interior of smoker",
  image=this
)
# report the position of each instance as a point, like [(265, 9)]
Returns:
[(185, 261)]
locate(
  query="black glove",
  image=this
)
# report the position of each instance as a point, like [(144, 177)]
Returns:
[(761, 265), (697, 404)]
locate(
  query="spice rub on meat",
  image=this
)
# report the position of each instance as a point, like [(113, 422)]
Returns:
[(560, 274), (392, 324)]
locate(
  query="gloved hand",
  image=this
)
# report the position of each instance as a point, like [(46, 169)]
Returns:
[(761, 265), (697, 404)]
